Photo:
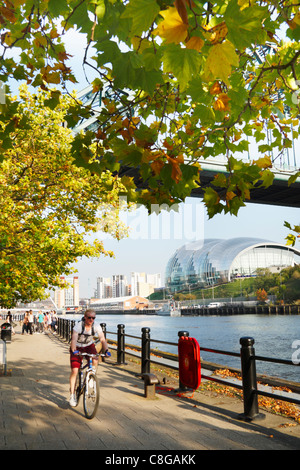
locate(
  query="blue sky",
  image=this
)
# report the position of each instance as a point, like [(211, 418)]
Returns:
[(149, 249)]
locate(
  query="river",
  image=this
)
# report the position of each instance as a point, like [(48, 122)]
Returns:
[(276, 336)]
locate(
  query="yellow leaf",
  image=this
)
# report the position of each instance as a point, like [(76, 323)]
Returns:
[(219, 32), (139, 44), (230, 195), (221, 104), (215, 89), (172, 28), (297, 18), (195, 43), (264, 162), (176, 173), (245, 3), (220, 59), (157, 166)]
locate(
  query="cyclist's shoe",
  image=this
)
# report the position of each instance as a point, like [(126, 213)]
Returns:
[(73, 401)]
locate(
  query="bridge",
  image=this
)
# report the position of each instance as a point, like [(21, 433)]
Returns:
[(279, 193)]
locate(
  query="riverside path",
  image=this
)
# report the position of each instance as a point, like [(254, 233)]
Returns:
[(35, 414)]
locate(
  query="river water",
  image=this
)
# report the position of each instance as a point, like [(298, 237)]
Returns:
[(276, 336)]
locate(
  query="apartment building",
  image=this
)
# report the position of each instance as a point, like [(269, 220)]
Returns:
[(70, 296), (144, 284)]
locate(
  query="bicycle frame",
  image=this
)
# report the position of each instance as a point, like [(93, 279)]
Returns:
[(90, 393)]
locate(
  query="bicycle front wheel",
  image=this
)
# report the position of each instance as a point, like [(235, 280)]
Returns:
[(78, 387), (91, 395)]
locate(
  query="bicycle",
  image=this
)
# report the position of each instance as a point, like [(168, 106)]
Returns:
[(87, 385)]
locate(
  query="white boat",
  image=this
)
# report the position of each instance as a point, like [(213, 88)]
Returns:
[(167, 310)]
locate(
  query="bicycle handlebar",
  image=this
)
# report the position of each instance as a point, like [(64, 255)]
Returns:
[(79, 353)]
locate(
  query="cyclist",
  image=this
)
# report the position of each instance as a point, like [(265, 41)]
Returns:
[(83, 341)]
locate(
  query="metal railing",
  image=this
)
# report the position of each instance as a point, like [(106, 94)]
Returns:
[(147, 356)]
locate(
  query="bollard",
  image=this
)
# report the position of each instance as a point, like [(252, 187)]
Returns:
[(121, 345), (248, 367), (182, 387), (145, 351), (150, 380), (103, 326)]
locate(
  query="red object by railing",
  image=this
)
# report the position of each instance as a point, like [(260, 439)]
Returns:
[(189, 362)]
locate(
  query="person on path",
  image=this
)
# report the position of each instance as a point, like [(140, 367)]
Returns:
[(9, 319), (30, 322), (83, 341), (46, 322), (40, 320), (25, 323)]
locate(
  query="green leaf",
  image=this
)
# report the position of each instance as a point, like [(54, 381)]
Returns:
[(293, 178), (54, 100), (147, 81), (142, 13), (56, 7), (183, 63), (267, 178), (290, 239), (245, 26)]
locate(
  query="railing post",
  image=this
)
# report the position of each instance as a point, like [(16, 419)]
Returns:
[(248, 368), (64, 328), (145, 365), (185, 334), (103, 326), (121, 345), (71, 329)]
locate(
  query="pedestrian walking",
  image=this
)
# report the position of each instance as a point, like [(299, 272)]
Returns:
[(40, 320), (25, 323), (30, 322)]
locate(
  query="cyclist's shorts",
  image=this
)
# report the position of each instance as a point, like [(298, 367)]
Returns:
[(76, 360)]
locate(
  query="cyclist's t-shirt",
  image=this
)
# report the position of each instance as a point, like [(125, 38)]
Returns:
[(86, 338)]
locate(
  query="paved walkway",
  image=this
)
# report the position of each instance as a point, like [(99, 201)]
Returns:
[(35, 413)]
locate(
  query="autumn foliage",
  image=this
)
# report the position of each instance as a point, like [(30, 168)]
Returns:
[(179, 82), (199, 80)]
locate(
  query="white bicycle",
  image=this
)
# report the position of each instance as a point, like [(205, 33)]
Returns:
[(87, 385)]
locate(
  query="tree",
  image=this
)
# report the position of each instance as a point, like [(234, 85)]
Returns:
[(261, 295), (203, 78), (49, 207)]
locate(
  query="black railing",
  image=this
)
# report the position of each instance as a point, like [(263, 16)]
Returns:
[(147, 356)]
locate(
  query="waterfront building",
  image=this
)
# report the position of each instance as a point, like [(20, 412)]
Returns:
[(119, 285), (104, 288), (215, 261), (144, 284), (69, 296), (120, 303)]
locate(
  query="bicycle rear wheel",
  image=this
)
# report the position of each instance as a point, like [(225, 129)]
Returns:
[(91, 395)]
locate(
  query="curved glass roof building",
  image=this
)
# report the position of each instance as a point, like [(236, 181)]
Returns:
[(215, 261)]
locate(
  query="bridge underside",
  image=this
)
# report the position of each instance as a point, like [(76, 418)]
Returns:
[(279, 194)]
